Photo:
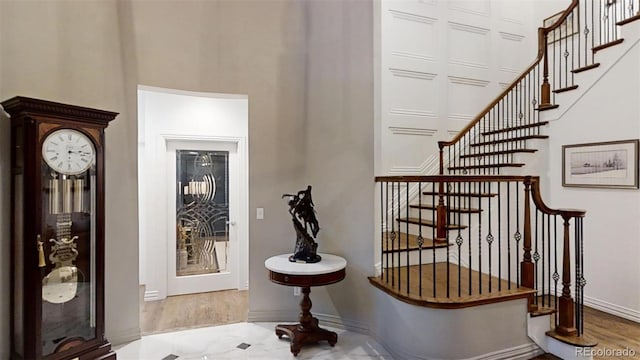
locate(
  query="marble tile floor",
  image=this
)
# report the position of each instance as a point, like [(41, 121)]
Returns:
[(224, 343)]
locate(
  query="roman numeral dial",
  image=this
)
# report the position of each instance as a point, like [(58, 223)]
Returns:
[(68, 152)]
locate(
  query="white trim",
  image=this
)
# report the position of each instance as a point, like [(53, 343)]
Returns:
[(613, 309), (152, 295), (192, 93), (412, 17), (520, 352)]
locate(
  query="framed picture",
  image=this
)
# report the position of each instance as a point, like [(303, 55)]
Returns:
[(612, 164), (567, 28)]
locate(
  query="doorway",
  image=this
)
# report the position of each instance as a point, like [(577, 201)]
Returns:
[(193, 201)]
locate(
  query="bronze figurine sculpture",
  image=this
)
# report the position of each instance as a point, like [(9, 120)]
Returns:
[(305, 223)]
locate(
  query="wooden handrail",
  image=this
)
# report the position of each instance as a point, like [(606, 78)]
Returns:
[(540, 205), (452, 178), (542, 50)]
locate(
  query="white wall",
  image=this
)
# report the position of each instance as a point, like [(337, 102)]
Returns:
[(71, 52), (441, 62), (165, 114), (610, 110)]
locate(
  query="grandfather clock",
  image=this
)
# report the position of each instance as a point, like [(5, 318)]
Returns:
[(57, 232)]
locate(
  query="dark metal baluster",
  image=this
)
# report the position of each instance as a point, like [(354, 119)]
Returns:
[(383, 208), (536, 257), (517, 236), (447, 237), (399, 238), (459, 239), (578, 273), (548, 241), (583, 282), (469, 227), (499, 237), (556, 276), (480, 189), (434, 237), (489, 237), (407, 237), (393, 234), (509, 234), (420, 239)]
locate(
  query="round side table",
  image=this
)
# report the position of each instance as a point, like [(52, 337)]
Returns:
[(329, 270)]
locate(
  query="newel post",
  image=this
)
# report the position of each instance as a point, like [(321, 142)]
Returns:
[(566, 307), (545, 91), (527, 268)]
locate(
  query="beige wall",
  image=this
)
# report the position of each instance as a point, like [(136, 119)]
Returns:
[(95, 53)]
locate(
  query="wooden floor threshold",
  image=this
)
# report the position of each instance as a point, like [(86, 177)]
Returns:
[(565, 89), (585, 68), (409, 242), (629, 20), (607, 45), (515, 128), (394, 283)]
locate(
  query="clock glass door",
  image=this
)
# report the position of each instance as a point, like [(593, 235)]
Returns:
[(67, 241)]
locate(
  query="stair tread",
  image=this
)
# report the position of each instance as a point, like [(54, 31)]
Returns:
[(450, 209), (455, 193), (485, 166), (430, 223), (609, 44), (514, 128), (585, 68), (568, 88), (400, 243), (547, 107), (500, 152), (629, 20), (393, 282), (520, 138)]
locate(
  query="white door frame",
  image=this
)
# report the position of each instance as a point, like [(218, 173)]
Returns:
[(241, 213)]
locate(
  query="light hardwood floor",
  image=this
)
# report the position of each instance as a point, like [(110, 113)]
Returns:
[(194, 310), (611, 332)]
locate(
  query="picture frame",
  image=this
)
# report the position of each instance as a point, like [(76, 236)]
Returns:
[(567, 28), (611, 164)]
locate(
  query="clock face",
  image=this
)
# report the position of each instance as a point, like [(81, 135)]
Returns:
[(68, 152)]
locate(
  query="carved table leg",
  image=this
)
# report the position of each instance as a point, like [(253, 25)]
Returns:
[(307, 331)]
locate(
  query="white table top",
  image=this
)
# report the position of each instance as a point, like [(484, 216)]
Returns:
[(328, 264)]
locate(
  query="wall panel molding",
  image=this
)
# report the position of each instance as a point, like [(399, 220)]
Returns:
[(398, 130), (412, 74), (403, 15), (468, 28), (413, 112), (468, 81), (511, 36), (484, 11), (412, 55)]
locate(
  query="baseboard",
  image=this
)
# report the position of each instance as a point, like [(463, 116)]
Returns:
[(324, 319), (152, 295), (520, 352), (613, 309), (124, 336)]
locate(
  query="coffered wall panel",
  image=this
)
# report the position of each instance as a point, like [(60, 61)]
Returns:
[(440, 63)]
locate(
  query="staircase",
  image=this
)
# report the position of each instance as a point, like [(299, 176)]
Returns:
[(479, 232)]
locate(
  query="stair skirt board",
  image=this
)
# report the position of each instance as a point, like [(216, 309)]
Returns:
[(394, 283), (413, 332)]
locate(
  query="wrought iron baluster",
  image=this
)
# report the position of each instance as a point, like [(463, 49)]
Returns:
[(407, 207)]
